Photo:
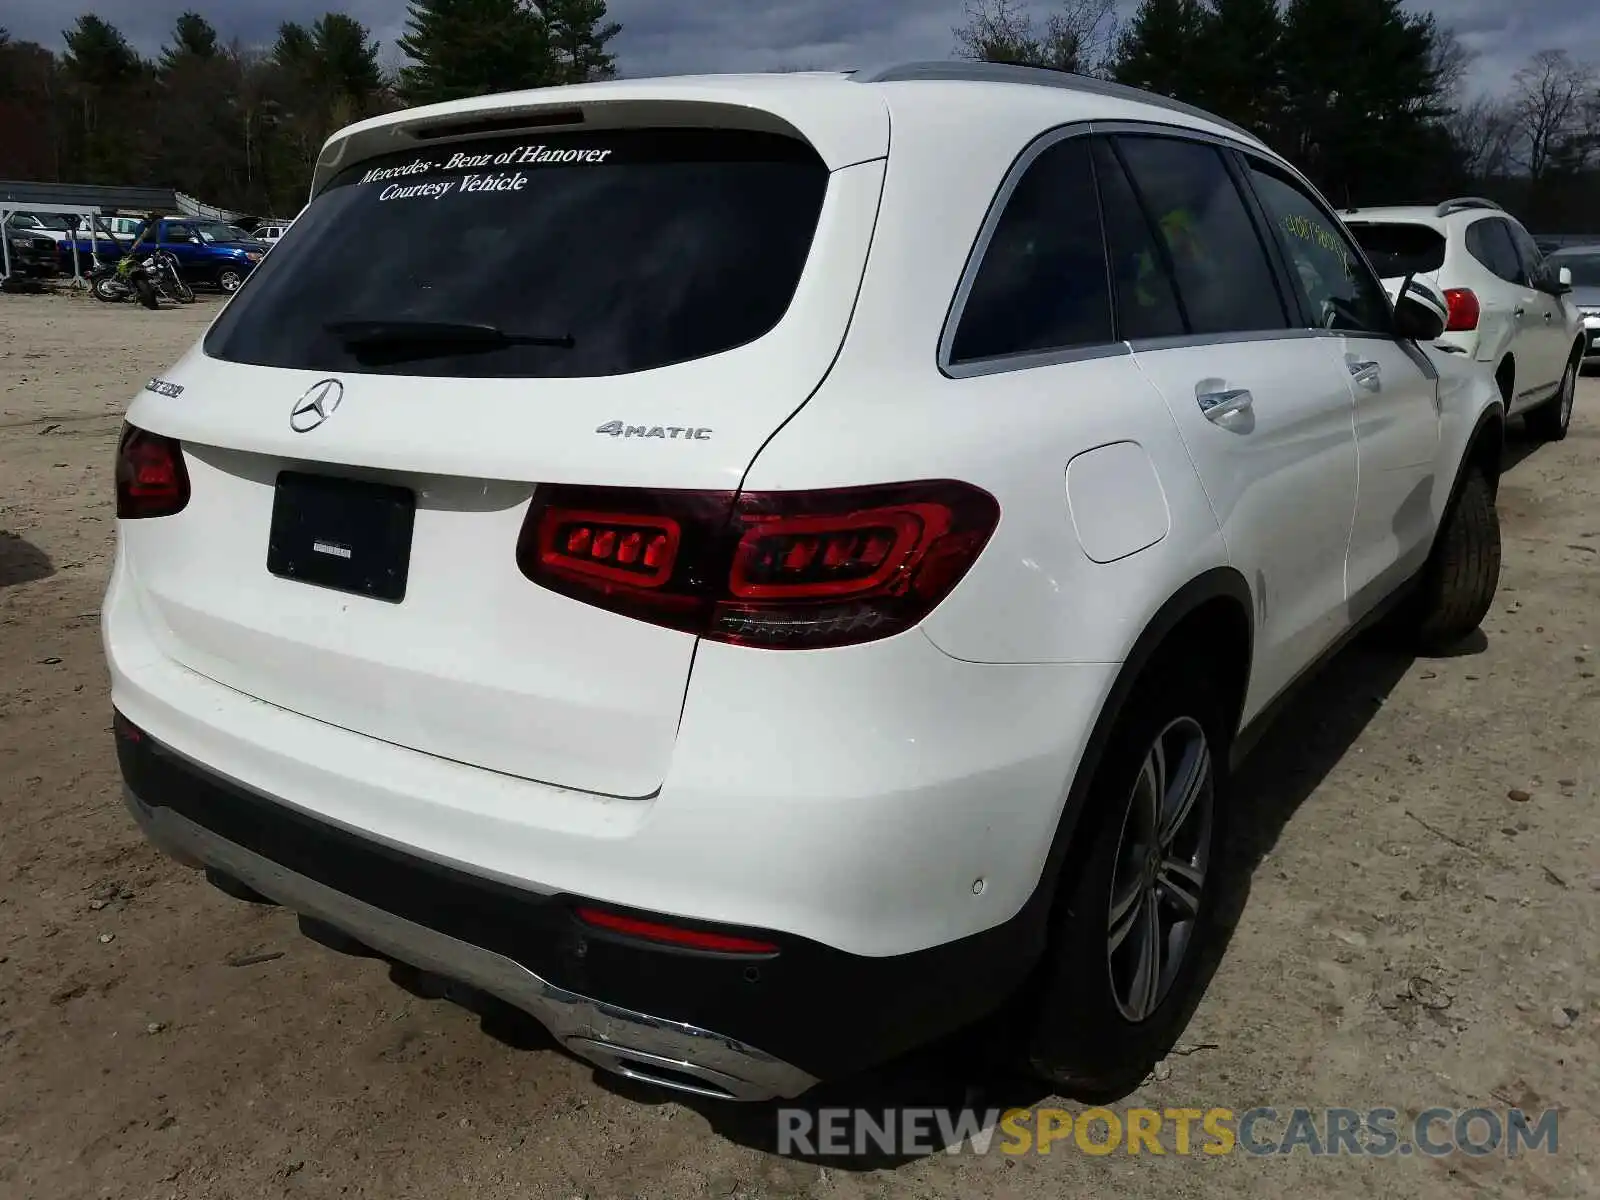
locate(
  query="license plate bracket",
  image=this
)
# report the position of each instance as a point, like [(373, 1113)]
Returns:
[(351, 535)]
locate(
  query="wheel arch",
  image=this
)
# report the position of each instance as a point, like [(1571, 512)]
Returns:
[(1213, 611), (1485, 450), (1507, 366)]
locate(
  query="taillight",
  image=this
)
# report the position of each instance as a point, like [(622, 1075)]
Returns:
[(1463, 303), (673, 935), (151, 478), (779, 570)]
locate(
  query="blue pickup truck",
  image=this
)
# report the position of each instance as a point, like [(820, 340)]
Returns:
[(208, 252)]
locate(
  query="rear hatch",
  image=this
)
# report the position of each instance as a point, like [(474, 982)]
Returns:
[(1400, 248), (459, 322)]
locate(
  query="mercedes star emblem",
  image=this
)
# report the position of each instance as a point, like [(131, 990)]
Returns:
[(316, 406)]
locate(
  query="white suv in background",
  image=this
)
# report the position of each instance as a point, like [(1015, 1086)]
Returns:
[(759, 599), (1508, 303)]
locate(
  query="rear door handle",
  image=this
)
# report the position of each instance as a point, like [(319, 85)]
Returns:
[(1548, 316), (1517, 313), (1219, 404)]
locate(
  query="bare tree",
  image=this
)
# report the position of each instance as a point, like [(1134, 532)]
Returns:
[(1078, 36), (1552, 102), (1484, 129), (1451, 62)]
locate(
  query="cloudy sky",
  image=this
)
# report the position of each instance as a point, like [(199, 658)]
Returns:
[(668, 37)]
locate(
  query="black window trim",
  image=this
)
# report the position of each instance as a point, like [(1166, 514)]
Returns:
[(1271, 165)]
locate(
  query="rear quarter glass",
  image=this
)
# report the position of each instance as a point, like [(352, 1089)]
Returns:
[(1401, 248), (637, 248)]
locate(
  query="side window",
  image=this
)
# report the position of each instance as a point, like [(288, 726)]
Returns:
[(1224, 277), (1146, 303), (1534, 267), (1338, 289), (177, 232), (1489, 241), (1042, 283)]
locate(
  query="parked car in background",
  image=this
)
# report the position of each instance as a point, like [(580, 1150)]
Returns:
[(56, 227), (1508, 306), (209, 253), (30, 250), (1583, 263), (272, 233), (123, 229)]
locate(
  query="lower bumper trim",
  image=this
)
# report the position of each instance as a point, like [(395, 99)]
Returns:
[(668, 1054)]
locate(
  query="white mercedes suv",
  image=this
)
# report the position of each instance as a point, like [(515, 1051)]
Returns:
[(765, 571), (1509, 305)]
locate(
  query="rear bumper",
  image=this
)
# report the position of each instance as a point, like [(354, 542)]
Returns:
[(679, 1055), (730, 1026)]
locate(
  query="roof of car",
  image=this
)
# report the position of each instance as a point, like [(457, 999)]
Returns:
[(1429, 214), (843, 113)]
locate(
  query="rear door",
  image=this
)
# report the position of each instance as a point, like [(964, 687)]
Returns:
[(1264, 409), (452, 326), (1547, 327), (1503, 306), (1395, 385)]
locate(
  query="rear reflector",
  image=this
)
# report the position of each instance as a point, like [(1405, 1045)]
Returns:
[(1464, 312), (672, 935), (778, 570), (151, 478)]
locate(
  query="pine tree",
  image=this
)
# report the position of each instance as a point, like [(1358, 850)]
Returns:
[(1160, 50), (105, 76), (578, 34), (193, 37), (472, 48), (1240, 53), (1361, 95)]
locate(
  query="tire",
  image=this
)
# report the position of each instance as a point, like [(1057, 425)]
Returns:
[(1091, 1030), (1459, 580), (1549, 422), (147, 293), (229, 280), (108, 289)]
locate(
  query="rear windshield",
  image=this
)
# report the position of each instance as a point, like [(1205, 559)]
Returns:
[(1400, 249), (564, 255), (1585, 268)]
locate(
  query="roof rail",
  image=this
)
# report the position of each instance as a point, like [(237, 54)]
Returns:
[(975, 71), (1462, 203)]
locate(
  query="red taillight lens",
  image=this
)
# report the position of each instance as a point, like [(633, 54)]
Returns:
[(673, 935), (152, 480), (780, 570), (1464, 310)]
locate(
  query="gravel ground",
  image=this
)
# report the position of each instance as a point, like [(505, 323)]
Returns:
[(1418, 927)]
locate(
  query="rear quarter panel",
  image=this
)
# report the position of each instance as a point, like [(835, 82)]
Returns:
[(888, 413)]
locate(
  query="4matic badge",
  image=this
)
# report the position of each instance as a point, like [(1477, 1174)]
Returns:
[(680, 432)]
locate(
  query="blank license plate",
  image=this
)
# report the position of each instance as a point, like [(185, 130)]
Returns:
[(346, 534)]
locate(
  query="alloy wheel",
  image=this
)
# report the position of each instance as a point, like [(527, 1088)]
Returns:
[(1160, 873)]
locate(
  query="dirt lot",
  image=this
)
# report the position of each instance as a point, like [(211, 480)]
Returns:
[(1410, 934)]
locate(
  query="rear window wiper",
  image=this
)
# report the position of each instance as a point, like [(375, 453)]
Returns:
[(455, 334)]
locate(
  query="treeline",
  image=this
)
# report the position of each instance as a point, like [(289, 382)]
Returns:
[(240, 126), (1368, 99)]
